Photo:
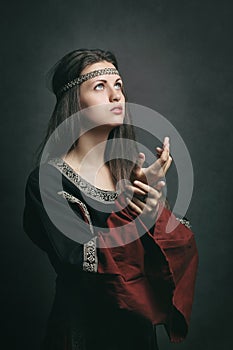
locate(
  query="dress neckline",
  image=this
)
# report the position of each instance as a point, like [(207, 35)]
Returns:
[(83, 185)]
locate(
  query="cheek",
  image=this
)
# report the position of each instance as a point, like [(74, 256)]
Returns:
[(83, 102), (91, 100), (95, 112), (84, 98)]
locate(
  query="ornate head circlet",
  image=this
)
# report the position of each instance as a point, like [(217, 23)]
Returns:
[(87, 76)]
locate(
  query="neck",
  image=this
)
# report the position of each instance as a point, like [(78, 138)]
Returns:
[(89, 152)]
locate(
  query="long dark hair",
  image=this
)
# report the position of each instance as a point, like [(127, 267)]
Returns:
[(122, 150)]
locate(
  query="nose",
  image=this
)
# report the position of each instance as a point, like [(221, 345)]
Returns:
[(114, 95)]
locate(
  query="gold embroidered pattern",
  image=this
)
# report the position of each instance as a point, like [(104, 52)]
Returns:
[(90, 259), (184, 222), (104, 196)]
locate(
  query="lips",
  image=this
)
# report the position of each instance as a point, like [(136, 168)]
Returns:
[(117, 109)]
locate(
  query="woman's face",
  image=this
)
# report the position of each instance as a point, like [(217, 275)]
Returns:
[(104, 95)]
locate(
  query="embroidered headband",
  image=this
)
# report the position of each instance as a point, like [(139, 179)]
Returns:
[(87, 76)]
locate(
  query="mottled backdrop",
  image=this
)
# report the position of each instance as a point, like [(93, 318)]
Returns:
[(175, 57)]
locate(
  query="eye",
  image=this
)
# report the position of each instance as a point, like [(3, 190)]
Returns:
[(118, 86), (99, 86)]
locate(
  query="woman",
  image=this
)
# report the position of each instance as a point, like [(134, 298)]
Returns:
[(117, 276)]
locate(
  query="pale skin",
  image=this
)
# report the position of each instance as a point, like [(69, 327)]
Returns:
[(101, 90), (149, 181), (107, 90)]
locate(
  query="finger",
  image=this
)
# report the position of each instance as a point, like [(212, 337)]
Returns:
[(166, 142), (152, 192), (168, 164), (134, 189), (139, 203), (133, 206), (140, 160), (160, 185), (165, 154), (142, 185), (158, 151)]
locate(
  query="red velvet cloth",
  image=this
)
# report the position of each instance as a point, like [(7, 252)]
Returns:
[(155, 274)]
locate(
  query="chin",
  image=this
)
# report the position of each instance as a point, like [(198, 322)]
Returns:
[(114, 124)]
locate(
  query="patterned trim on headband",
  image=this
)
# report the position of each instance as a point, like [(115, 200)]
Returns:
[(88, 76)]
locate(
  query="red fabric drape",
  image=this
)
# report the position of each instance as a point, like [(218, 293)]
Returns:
[(153, 275)]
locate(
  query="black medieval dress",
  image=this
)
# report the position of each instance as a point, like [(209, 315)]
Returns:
[(107, 298)]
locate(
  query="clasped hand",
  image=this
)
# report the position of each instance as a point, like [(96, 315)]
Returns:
[(145, 190)]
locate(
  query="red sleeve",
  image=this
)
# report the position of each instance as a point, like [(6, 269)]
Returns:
[(180, 252), (154, 275)]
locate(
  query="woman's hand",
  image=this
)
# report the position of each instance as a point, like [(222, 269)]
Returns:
[(143, 199), (156, 171)]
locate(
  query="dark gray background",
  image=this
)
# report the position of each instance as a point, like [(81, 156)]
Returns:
[(175, 57)]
